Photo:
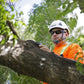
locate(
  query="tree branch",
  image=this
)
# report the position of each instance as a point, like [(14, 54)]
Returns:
[(11, 28), (27, 58)]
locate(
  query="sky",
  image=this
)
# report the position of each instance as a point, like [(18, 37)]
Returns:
[(80, 17), (26, 5)]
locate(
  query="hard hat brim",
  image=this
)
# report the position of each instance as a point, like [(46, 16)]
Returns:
[(55, 28)]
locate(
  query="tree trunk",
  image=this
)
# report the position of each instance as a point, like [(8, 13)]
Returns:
[(26, 58)]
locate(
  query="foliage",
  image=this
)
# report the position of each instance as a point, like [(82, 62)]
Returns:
[(8, 76), (41, 17), (8, 12), (81, 5), (80, 67)]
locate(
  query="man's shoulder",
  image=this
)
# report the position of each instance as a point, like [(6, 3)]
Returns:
[(74, 45)]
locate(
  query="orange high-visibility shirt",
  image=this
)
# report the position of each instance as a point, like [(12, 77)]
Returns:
[(73, 51), (70, 52)]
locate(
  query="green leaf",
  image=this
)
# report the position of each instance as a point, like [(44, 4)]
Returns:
[(14, 36), (21, 13), (3, 42), (13, 0), (12, 8), (12, 16)]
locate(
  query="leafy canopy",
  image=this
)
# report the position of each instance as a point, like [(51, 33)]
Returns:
[(40, 18), (42, 15)]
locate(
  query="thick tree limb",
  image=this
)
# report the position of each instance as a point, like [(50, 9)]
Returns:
[(26, 58)]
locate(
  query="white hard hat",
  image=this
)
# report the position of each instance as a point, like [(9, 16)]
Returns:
[(58, 24)]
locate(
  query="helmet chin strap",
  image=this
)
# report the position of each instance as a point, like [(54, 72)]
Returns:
[(57, 41)]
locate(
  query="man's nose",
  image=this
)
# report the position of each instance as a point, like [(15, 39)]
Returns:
[(54, 34)]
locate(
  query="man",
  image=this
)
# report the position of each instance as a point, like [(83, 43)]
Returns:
[(59, 32)]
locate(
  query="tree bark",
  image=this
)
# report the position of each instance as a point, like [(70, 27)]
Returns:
[(27, 58)]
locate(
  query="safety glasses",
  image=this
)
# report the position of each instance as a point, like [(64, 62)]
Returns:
[(57, 32)]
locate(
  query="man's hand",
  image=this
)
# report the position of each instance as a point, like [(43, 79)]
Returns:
[(45, 48)]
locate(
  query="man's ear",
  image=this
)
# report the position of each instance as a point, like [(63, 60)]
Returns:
[(66, 34)]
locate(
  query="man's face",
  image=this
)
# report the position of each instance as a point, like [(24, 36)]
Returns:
[(56, 34)]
